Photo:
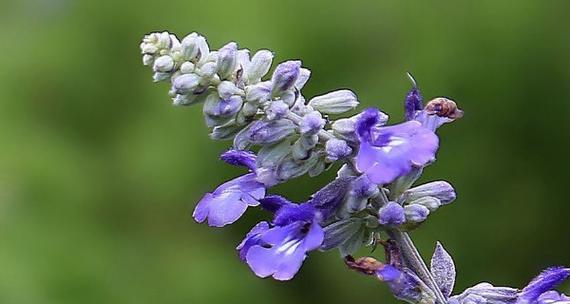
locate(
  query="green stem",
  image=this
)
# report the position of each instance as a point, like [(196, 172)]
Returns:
[(415, 262)]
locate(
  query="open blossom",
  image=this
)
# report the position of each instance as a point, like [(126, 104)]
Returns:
[(230, 200), (388, 152), (279, 251)]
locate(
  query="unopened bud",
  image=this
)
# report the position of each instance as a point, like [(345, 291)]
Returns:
[(312, 123), (285, 76), (391, 214), (335, 102), (416, 213), (259, 65), (441, 190), (185, 83), (163, 64), (337, 149), (227, 60)]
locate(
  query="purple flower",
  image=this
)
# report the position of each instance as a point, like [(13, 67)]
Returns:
[(544, 282), (230, 200), (387, 153), (280, 251)]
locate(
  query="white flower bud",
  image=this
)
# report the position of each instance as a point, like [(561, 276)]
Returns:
[(163, 64), (259, 66), (148, 59), (208, 70), (148, 48), (189, 46), (187, 67), (416, 213), (227, 60), (429, 202), (276, 110), (335, 102), (304, 75), (185, 83), (226, 89)]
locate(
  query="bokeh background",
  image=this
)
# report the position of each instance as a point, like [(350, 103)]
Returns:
[(99, 173)]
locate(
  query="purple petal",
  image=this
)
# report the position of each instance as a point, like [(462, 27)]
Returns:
[(281, 251), (240, 158), (294, 213), (220, 210), (390, 152), (252, 238), (229, 201), (545, 281), (273, 203), (329, 197)]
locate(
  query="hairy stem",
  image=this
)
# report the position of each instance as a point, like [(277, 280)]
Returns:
[(415, 262)]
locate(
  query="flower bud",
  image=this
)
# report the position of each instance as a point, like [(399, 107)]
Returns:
[(263, 133), (189, 46), (208, 70), (148, 59), (227, 89), (277, 109), (416, 213), (391, 214), (185, 83), (203, 49), (335, 102), (311, 123), (226, 131), (429, 202), (227, 60), (158, 76), (361, 189), (187, 67), (217, 107), (304, 75), (148, 48), (285, 76), (258, 92), (337, 149), (163, 64), (188, 99), (441, 190), (259, 66)]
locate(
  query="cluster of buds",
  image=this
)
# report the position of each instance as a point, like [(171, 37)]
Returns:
[(279, 135), (294, 135)]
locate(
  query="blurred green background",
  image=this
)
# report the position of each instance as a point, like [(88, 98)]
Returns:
[(99, 173)]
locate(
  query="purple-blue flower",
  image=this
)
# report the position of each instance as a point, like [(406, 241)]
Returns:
[(279, 251), (230, 200), (387, 153)]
